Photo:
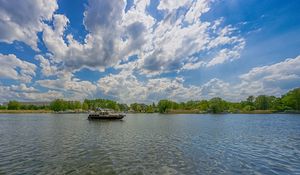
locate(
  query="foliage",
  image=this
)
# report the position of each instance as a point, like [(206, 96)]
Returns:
[(2, 107), (62, 105), (102, 103), (13, 105), (165, 105), (217, 105), (58, 105), (85, 106), (292, 99), (262, 102), (248, 108), (123, 107), (138, 107)]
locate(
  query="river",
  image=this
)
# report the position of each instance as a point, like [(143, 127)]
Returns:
[(150, 144)]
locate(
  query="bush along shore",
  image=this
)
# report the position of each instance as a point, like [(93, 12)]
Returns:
[(262, 104)]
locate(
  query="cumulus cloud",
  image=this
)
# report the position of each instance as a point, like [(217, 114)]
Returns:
[(181, 35), (23, 88), (275, 79), (171, 5), (100, 47), (226, 55), (21, 20), (14, 68), (127, 88), (272, 79), (178, 40), (160, 45), (114, 34), (24, 93), (192, 63), (45, 96), (53, 37), (219, 88), (47, 68), (72, 88)]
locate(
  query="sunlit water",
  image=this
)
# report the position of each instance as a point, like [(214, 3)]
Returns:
[(150, 144)]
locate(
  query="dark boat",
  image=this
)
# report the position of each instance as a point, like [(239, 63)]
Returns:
[(105, 115)]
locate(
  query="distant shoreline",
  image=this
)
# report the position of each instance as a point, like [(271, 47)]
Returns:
[(24, 111), (240, 112), (170, 112)]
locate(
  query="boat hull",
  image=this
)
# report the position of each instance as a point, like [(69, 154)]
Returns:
[(105, 117)]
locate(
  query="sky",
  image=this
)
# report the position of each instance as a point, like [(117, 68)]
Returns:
[(147, 50)]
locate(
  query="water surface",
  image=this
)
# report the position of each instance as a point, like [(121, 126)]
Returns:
[(150, 144)]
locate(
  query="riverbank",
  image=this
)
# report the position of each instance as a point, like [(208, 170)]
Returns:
[(24, 111), (39, 111), (237, 112), (225, 112), (169, 112)]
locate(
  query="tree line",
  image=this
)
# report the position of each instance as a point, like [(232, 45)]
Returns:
[(287, 102)]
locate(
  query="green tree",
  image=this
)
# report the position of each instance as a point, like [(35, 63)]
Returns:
[(85, 106), (13, 105), (250, 100), (262, 102), (164, 106), (217, 105), (2, 107), (248, 108), (203, 105), (77, 105), (292, 99), (150, 109), (102, 103), (136, 107), (58, 105), (123, 107), (277, 104)]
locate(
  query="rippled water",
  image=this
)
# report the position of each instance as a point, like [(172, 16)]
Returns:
[(150, 144)]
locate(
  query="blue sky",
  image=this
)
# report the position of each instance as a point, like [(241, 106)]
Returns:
[(146, 50)]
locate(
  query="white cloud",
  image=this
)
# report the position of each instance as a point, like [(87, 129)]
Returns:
[(14, 68), (23, 88), (123, 86), (161, 46), (272, 79), (180, 36), (72, 88), (171, 4), (21, 20), (46, 67), (275, 79), (275, 71), (126, 88), (219, 88), (53, 38), (193, 65), (45, 96), (24, 93), (226, 55), (114, 35), (178, 41), (101, 45), (196, 10)]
